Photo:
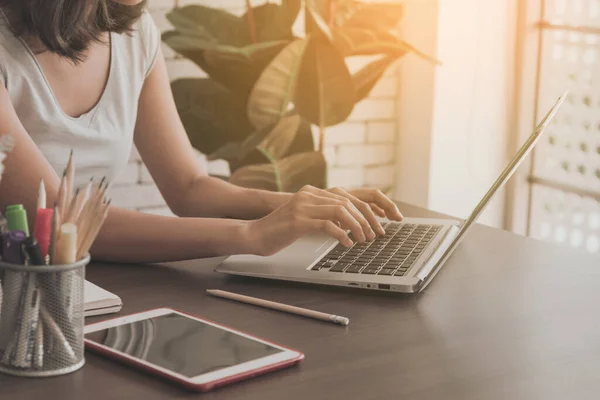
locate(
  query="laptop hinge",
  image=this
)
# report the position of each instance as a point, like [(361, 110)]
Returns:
[(433, 264)]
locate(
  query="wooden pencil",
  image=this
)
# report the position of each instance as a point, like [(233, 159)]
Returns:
[(87, 192), (336, 319), (54, 234), (100, 192), (70, 214), (70, 177), (80, 220), (61, 193), (95, 226), (81, 202), (85, 218), (84, 228)]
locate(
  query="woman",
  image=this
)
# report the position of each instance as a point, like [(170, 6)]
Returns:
[(89, 75)]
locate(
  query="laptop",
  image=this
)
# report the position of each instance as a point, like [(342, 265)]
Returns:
[(405, 259)]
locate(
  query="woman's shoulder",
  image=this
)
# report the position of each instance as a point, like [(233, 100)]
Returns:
[(147, 30), (6, 36), (145, 37), (8, 48)]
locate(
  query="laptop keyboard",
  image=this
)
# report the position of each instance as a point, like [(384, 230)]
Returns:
[(391, 254)]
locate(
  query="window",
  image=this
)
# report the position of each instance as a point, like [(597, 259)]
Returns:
[(563, 193)]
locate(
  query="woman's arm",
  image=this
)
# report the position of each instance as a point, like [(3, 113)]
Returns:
[(166, 150), (127, 235), (130, 236)]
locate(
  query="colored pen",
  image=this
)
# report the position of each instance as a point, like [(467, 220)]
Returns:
[(3, 224), (32, 335), (43, 229), (57, 333), (12, 250), (27, 324), (3, 230), (66, 253), (33, 252), (30, 308), (38, 361), (17, 218), (66, 247)]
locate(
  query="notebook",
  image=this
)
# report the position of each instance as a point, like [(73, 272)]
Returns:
[(98, 301)]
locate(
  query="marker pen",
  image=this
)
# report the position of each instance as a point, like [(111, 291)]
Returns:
[(66, 247), (33, 252), (38, 360), (17, 218), (12, 247), (12, 250), (43, 229), (3, 224), (30, 309)]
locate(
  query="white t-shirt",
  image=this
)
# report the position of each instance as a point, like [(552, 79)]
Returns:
[(102, 138)]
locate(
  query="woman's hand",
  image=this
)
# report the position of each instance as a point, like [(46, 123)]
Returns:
[(332, 212), (371, 203)]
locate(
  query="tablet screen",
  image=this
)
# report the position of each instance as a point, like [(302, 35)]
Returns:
[(181, 344)]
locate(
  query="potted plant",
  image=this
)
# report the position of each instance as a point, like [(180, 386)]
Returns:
[(268, 87)]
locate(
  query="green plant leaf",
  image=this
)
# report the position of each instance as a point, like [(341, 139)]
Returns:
[(366, 78), (187, 44), (273, 21), (237, 69), (186, 26), (287, 175), (317, 11), (302, 142), (274, 140), (259, 53), (276, 86), (237, 151), (382, 16), (196, 20), (212, 115), (325, 93), (290, 10), (355, 42), (320, 9), (278, 141)]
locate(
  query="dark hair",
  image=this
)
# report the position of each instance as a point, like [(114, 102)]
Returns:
[(68, 27)]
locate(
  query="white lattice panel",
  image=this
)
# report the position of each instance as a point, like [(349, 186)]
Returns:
[(566, 218), (570, 151), (573, 12)]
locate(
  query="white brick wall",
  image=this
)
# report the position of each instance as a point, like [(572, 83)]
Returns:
[(359, 152)]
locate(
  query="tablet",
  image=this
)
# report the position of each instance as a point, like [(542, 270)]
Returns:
[(185, 349)]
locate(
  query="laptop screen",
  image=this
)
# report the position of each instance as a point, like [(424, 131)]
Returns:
[(500, 182)]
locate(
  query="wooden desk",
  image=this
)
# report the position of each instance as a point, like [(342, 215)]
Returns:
[(507, 318)]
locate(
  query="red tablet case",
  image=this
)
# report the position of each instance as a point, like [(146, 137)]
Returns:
[(204, 387)]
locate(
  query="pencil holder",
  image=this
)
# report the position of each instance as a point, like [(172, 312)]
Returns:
[(42, 318)]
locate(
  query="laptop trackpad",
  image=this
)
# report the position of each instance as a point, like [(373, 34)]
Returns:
[(303, 253)]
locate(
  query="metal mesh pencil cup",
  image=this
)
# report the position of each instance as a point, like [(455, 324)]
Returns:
[(42, 319)]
